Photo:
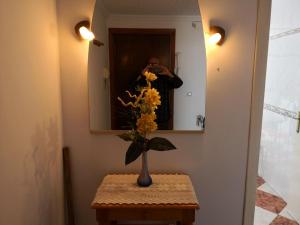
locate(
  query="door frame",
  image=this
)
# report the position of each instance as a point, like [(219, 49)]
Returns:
[(112, 31), (256, 108)]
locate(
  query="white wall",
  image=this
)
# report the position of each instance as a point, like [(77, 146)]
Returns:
[(98, 85), (280, 144), (216, 160), (257, 100), (192, 62), (30, 114)]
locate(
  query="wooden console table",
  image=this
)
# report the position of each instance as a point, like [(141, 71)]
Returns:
[(170, 198)]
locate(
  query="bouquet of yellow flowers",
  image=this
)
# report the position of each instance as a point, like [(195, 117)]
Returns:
[(144, 105)]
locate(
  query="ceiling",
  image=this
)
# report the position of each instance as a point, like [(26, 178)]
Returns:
[(152, 7)]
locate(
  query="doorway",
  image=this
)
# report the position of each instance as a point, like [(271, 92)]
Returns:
[(278, 180), (129, 51)]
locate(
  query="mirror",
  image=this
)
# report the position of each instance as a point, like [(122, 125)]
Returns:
[(161, 36)]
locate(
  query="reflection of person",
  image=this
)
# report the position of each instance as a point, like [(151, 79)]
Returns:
[(165, 82)]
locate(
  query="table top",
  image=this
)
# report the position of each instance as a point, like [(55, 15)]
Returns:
[(121, 191)]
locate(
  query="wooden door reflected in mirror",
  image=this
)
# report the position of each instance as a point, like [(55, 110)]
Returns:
[(130, 50)]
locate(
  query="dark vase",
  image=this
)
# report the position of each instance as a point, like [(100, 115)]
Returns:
[(144, 179)]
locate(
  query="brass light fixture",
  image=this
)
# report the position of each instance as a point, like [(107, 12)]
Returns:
[(217, 35), (83, 31)]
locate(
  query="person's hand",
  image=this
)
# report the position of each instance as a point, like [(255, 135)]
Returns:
[(165, 71), (146, 69)]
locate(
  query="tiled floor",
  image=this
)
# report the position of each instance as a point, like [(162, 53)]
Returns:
[(270, 208)]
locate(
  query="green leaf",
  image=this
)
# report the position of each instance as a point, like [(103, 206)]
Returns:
[(134, 151), (160, 144), (126, 136), (140, 138)]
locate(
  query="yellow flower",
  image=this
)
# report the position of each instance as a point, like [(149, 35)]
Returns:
[(152, 98), (150, 76), (146, 124)]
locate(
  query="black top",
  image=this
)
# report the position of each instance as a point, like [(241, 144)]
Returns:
[(163, 84)]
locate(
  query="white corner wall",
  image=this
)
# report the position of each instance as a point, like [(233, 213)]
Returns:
[(216, 160), (30, 114)]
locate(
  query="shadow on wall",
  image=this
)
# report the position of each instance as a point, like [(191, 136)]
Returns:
[(41, 174)]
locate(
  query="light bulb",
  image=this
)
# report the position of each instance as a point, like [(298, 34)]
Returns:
[(86, 33), (214, 39)]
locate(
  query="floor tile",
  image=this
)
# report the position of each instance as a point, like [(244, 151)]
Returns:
[(267, 188), (285, 213), (259, 181), (280, 220), (263, 217), (269, 202)]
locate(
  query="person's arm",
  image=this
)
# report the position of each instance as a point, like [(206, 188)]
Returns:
[(138, 82), (173, 80)]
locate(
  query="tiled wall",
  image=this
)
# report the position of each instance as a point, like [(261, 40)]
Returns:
[(280, 145)]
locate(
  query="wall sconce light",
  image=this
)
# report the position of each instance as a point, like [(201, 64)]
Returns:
[(83, 31), (217, 35)]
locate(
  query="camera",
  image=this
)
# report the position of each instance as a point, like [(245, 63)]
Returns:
[(155, 69)]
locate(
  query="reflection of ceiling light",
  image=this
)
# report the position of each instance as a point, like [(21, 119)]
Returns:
[(83, 31), (217, 35)]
